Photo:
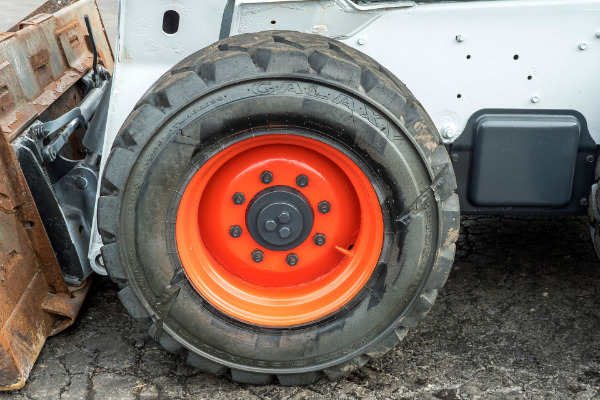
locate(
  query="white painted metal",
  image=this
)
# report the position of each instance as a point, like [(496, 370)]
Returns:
[(144, 52), (457, 58)]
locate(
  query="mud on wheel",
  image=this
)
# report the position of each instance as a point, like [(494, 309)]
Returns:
[(279, 207)]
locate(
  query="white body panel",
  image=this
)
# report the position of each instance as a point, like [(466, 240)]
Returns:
[(457, 58)]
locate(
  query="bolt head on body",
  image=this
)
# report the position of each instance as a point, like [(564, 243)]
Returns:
[(302, 180), (291, 259), (266, 177), (319, 239), (449, 131), (257, 255), (324, 207), (235, 231), (239, 198), (582, 46), (459, 38), (81, 182)]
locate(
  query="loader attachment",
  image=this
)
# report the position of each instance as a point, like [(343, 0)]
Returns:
[(35, 300), (45, 64)]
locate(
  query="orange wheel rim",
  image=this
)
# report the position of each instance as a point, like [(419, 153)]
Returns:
[(223, 245)]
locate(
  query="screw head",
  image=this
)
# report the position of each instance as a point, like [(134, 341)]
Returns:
[(235, 231), (459, 38), (535, 99), (583, 201), (270, 225), (319, 239), (582, 46), (361, 41), (257, 255), (285, 232), (302, 180), (284, 217), (324, 207), (239, 198), (590, 158), (266, 177), (291, 259)]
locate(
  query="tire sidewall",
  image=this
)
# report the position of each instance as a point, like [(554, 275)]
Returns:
[(339, 117)]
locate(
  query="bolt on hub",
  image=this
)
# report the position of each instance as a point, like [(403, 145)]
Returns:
[(291, 259), (319, 239), (324, 207), (239, 198), (266, 177), (235, 231), (302, 180), (257, 256)]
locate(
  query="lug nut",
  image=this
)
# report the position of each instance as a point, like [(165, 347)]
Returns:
[(235, 231), (302, 180), (239, 198), (257, 255), (270, 225), (292, 259), (266, 177), (285, 232), (284, 217), (319, 239), (324, 207)]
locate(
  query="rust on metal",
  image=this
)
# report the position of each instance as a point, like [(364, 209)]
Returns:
[(49, 7), (30, 272), (42, 57), (40, 61), (66, 306)]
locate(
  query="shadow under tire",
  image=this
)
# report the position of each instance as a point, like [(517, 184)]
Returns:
[(293, 105)]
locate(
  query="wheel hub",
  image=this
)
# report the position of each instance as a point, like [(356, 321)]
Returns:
[(247, 207), (279, 218)]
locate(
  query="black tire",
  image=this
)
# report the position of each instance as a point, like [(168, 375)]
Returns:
[(594, 210), (337, 95)]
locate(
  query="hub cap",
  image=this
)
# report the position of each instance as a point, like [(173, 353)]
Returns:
[(314, 191), (279, 218)]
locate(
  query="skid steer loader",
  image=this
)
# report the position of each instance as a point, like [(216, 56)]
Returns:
[(259, 180)]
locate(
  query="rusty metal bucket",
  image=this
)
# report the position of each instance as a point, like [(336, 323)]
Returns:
[(41, 58)]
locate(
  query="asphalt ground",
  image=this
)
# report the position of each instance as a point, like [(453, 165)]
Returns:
[(518, 319)]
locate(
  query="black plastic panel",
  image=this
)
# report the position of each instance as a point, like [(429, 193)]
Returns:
[(524, 162)]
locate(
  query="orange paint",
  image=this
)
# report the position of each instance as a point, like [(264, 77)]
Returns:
[(273, 293)]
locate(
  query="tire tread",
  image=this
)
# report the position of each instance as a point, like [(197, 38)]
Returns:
[(283, 52)]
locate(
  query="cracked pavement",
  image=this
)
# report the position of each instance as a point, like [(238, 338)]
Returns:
[(517, 319)]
